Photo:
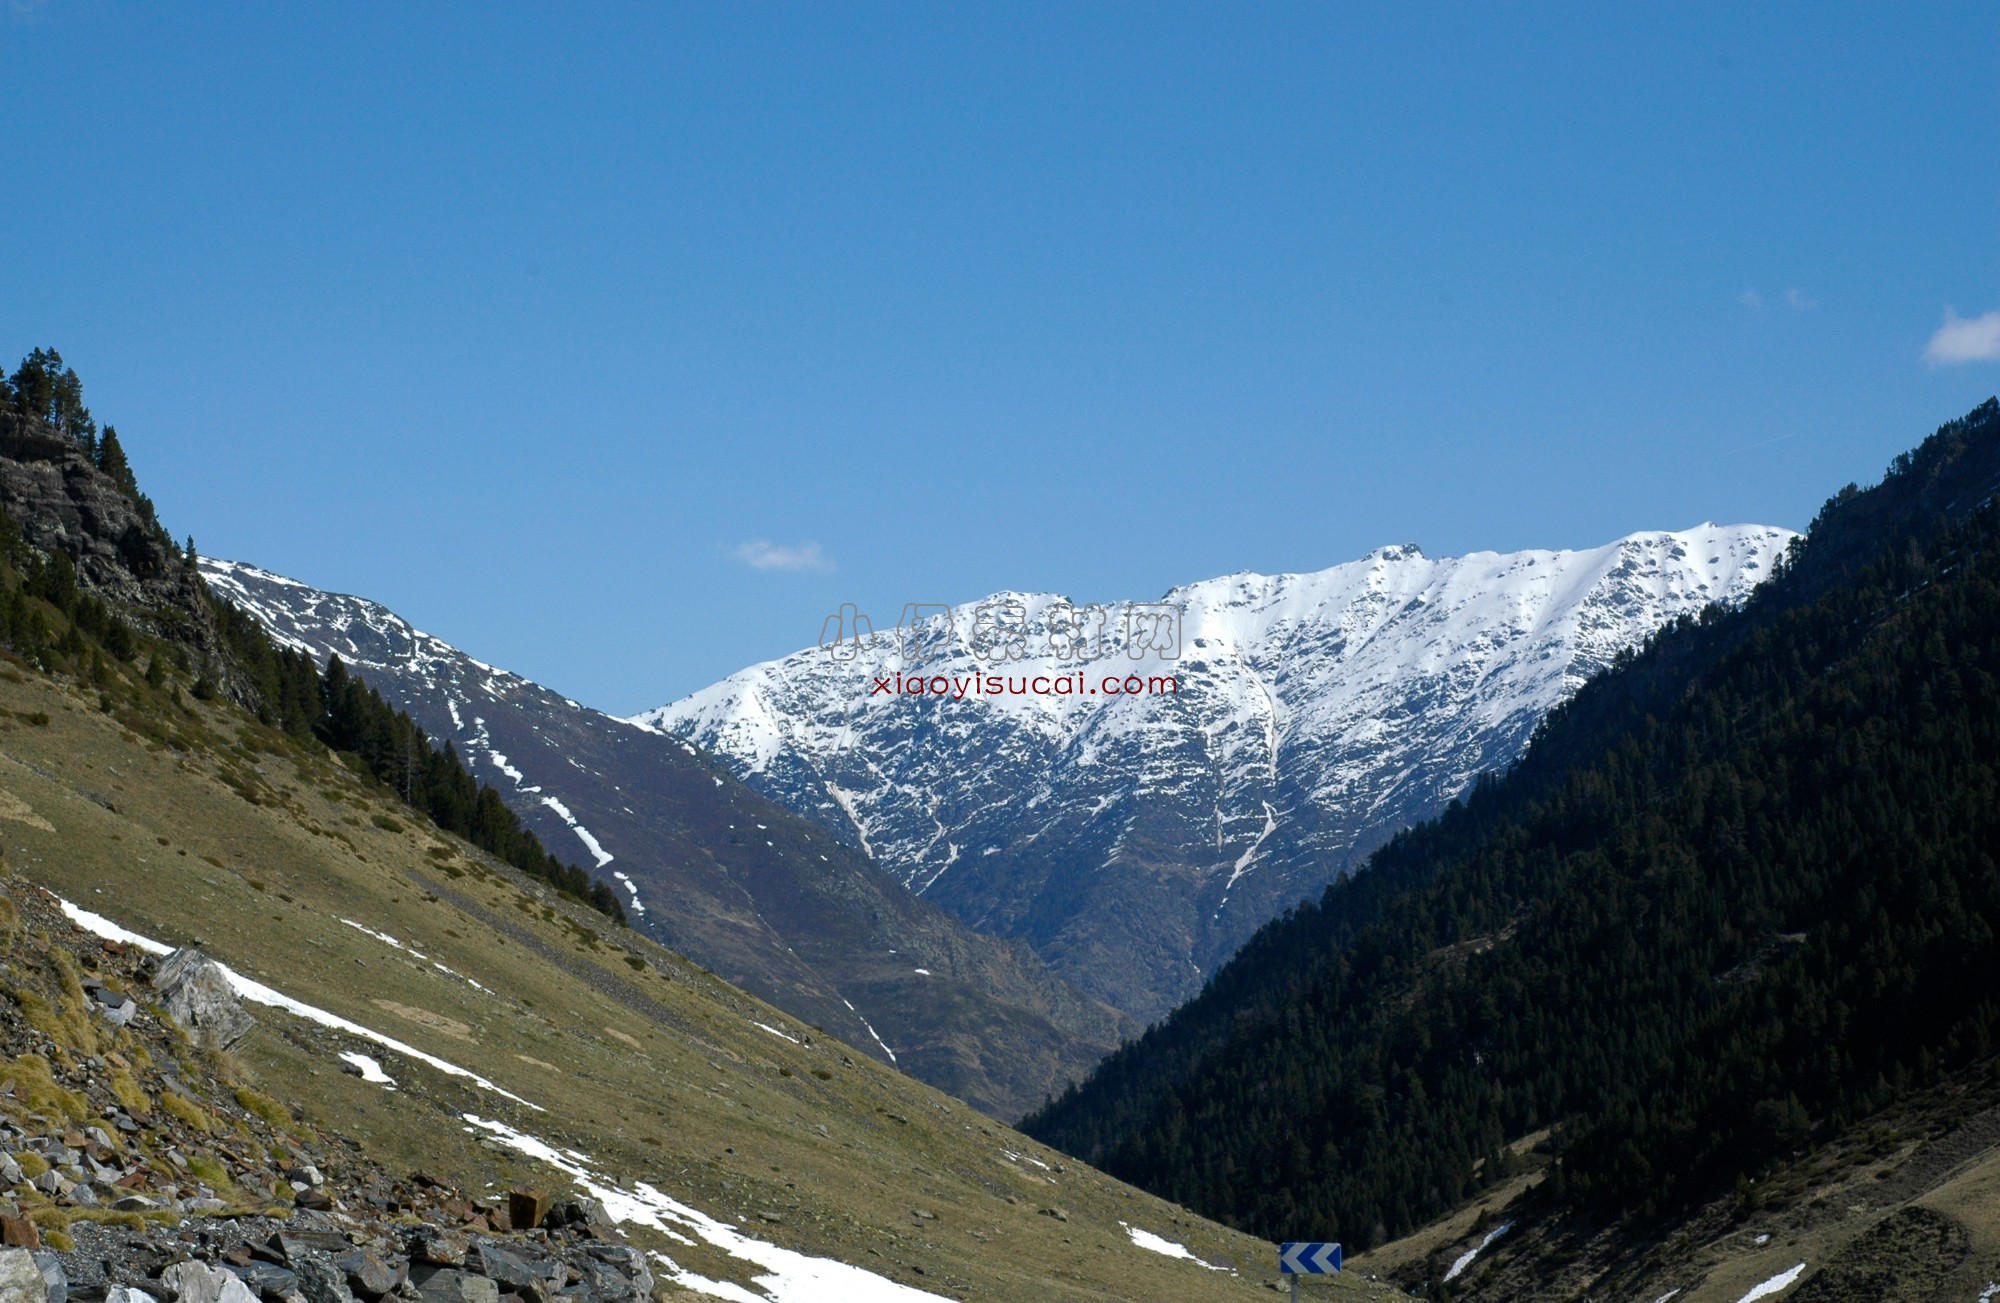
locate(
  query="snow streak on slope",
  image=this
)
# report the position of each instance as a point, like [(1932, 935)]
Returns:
[(1136, 840), (369, 636)]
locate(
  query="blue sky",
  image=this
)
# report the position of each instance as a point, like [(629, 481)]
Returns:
[(618, 344)]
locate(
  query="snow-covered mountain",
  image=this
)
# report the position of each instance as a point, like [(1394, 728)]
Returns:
[(715, 870), (1135, 839)]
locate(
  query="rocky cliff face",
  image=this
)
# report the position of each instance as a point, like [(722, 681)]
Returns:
[(64, 505), (1136, 840)]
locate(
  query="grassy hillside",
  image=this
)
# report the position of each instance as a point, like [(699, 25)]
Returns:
[(222, 830)]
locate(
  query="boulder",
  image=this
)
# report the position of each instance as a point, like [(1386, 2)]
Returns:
[(199, 999), (55, 1280), (517, 1267), (266, 1279), (527, 1208), (320, 1281), (127, 1294), (617, 1273), (19, 1232), (304, 1242), (200, 1282), (20, 1279), (368, 1273), (439, 1246), (580, 1212), (450, 1285)]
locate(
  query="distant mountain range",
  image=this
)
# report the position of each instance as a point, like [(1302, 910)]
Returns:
[(1135, 841), (716, 871)]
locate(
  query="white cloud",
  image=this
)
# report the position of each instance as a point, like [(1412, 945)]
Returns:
[(763, 554), (1962, 339), (1750, 299), (1799, 301)]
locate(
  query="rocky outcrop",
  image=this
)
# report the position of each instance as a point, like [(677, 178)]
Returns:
[(196, 994), (65, 505)]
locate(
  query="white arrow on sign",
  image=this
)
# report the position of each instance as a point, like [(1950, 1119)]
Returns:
[(1307, 1258)]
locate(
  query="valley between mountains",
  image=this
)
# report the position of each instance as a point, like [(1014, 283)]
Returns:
[(1646, 949)]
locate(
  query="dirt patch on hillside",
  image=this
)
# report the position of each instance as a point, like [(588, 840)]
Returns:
[(13, 807), (436, 1022)]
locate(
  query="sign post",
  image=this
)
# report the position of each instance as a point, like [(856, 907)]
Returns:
[(1307, 1258)]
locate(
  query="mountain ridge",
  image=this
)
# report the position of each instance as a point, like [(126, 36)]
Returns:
[(714, 870), (1135, 841)]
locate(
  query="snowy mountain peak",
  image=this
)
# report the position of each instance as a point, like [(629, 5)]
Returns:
[(1310, 715)]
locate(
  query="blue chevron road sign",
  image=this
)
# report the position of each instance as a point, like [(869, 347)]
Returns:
[(1308, 1259)]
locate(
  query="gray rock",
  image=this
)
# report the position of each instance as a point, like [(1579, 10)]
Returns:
[(205, 1205), (82, 1195), (55, 1280), (580, 1212), (199, 999), (300, 1242), (320, 1281), (128, 1294), (517, 1267), (135, 1203), (368, 1273), (199, 1282), (267, 1279), (116, 1007), (439, 1246), (611, 1264), (20, 1279), (450, 1285)]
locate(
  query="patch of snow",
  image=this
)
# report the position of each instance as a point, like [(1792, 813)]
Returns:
[(583, 834), (385, 938), (638, 906), (1778, 1284), (774, 1031), (925, 971), (788, 1277), (1166, 1248), (871, 1030), (98, 925), (1243, 860), (371, 1070), (1465, 1259), (602, 856)]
